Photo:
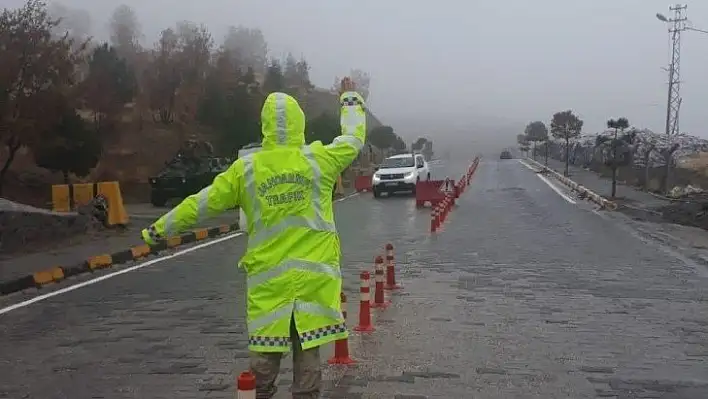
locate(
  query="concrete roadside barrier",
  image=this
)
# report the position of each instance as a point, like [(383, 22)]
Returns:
[(57, 273), (67, 197), (603, 202)]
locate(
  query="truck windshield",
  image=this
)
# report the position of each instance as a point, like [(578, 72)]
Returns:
[(404, 162)]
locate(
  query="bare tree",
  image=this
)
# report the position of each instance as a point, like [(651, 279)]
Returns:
[(37, 71), (164, 77), (74, 22), (125, 31), (616, 144), (178, 72), (195, 44), (649, 147), (248, 48), (523, 143), (362, 80), (566, 125), (536, 132), (109, 85)]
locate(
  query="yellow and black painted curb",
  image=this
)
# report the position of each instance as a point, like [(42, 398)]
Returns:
[(59, 273)]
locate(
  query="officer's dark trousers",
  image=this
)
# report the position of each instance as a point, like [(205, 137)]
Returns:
[(307, 374)]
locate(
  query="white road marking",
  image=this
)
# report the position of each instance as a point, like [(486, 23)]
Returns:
[(550, 184), (130, 269), (116, 273), (347, 197)]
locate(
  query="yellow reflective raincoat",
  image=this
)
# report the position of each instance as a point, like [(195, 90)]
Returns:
[(293, 254)]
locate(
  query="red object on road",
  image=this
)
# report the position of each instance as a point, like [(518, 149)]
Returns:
[(390, 269), (341, 346), (472, 169), (365, 304), (433, 219), (362, 183), (379, 296), (246, 385)]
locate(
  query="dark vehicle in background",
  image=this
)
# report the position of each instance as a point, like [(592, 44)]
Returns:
[(506, 154), (184, 176)]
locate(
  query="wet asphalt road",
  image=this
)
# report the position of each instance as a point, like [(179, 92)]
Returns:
[(522, 295)]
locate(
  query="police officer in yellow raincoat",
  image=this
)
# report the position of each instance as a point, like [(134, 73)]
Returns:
[(292, 260)]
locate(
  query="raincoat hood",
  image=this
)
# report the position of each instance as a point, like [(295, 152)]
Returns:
[(282, 122)]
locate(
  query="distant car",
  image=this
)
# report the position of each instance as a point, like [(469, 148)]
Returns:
[(505, 155), (400, 173)]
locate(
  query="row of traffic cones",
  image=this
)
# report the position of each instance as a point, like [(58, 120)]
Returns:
[(441, 210), (385, 279)]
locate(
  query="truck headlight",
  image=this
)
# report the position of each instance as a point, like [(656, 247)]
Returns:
[(407, 175)]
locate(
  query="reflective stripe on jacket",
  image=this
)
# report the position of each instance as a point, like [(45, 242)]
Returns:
[(293, 254)]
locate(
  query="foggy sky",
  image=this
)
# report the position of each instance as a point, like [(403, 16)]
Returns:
[(463, 66)]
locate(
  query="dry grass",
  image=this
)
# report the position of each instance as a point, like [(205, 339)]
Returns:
[(697, 162)]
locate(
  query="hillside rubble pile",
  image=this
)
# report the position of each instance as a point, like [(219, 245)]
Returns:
[(690, 209), (686, 205), (684, 192), (584, 149)]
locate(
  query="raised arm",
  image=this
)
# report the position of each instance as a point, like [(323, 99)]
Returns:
[(345, 148), (221, 195)]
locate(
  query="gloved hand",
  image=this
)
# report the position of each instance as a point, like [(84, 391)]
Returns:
[(147, 237)]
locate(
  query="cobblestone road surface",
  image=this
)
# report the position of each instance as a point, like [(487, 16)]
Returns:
[(522, 295)]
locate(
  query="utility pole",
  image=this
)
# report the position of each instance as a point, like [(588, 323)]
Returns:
[(677, 24)]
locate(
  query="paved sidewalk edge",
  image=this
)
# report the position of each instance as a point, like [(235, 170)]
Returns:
[(59, 273), (603, 202)]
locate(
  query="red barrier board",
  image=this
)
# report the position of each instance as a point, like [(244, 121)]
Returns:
[(429, 191), (362, 183)]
